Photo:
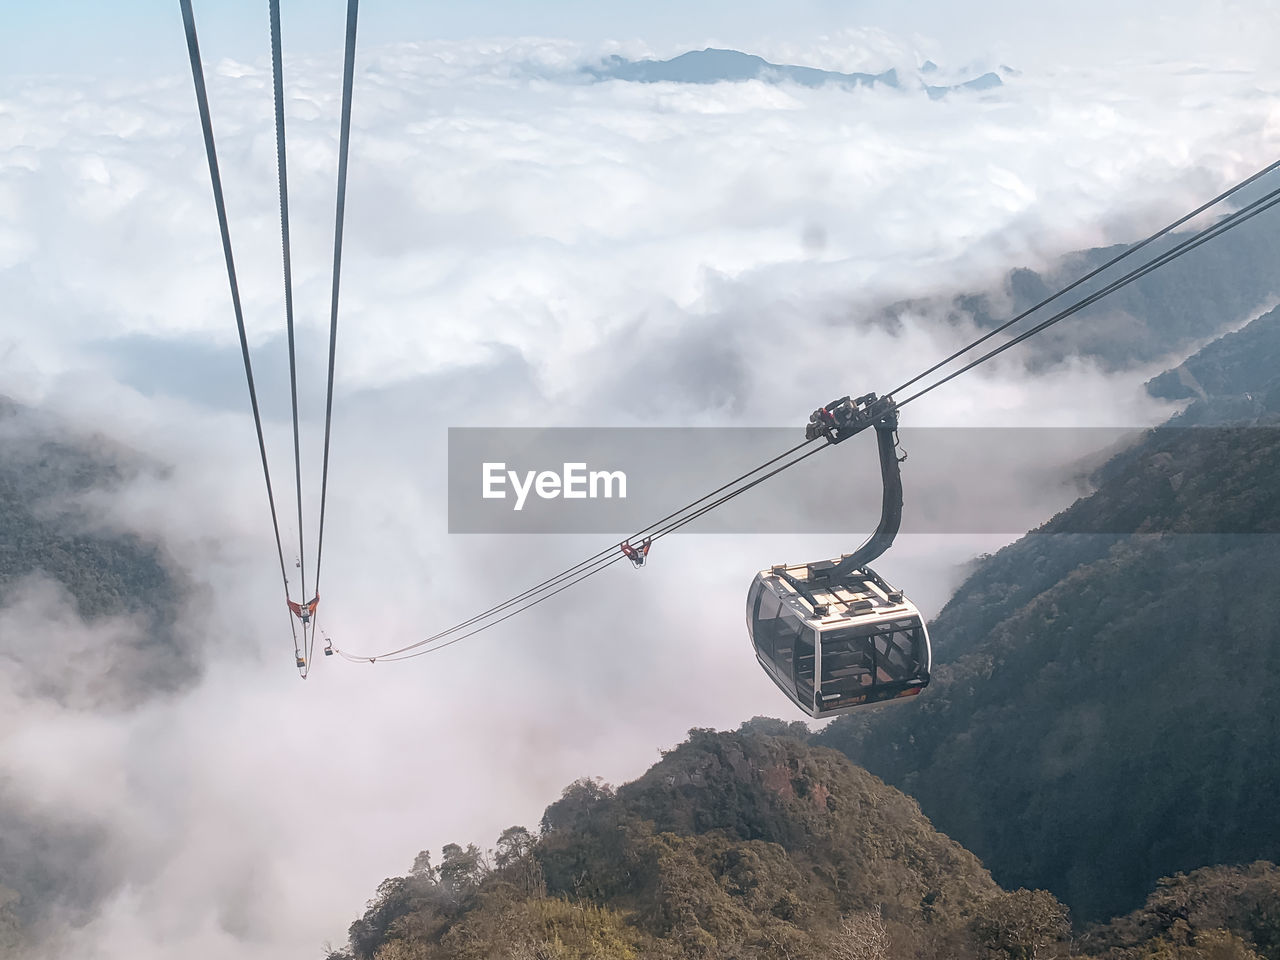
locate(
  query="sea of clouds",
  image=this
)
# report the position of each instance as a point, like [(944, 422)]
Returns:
[(522, 248)]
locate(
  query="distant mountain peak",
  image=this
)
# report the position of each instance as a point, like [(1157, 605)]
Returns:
[(716, 65)]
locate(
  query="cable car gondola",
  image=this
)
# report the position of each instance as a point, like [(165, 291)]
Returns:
[(832, 634)]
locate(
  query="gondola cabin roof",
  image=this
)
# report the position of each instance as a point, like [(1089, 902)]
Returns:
[(860, 597)]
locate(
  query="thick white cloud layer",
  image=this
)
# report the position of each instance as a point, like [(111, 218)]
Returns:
[(520, 249)]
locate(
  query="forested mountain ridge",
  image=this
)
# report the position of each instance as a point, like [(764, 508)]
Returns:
[(1105, 707), (713, 65), (1227, 913), (1176, 480), (1203, 292), (43, 469), (733, 845), (1243, 362), (754, 845)]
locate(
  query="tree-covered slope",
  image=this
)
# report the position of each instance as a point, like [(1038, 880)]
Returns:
[(1105, 708), (1238, 363), (1200, 293), (1228, 913), (734, 845), (756, 846), (1120, 726), (42, 471)]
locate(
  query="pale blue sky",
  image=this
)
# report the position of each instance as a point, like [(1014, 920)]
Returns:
[(85, 35), (89, 36)]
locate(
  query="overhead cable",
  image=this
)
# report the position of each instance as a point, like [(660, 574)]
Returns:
[(607, 557)]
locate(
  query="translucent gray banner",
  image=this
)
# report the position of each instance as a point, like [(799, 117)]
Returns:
[(978, 480)]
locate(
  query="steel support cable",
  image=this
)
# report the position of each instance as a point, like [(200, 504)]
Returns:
[(610, 551), (396, 658), (206, 123), (1129, 251), (408, 653), (587, 569), (344, 143), (735, 493), (293, 629), (277, 76), (1247, 212)]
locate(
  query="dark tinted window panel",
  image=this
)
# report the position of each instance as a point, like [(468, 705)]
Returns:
[(753, 606), (766, 628), (847, 664), (805, 657), (785, 645), (895, 658)]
